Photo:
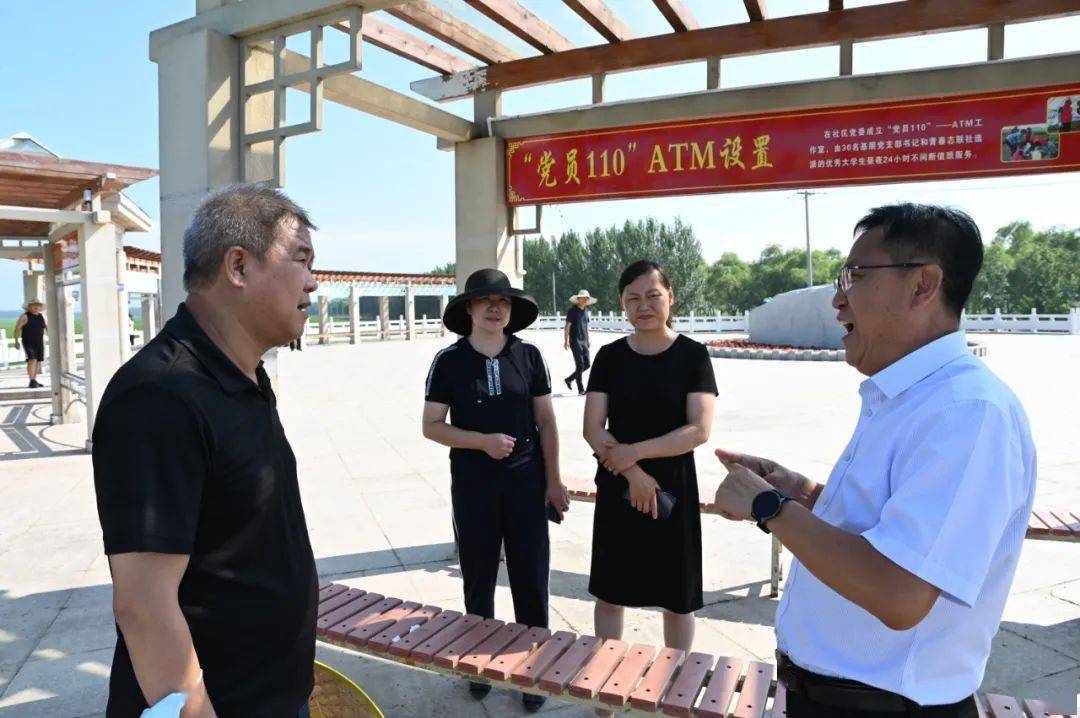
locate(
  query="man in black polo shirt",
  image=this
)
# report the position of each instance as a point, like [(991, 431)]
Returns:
[(576, 337), (214, 584)]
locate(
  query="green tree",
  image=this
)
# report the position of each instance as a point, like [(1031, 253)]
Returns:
[(448, 268), (727, 281)]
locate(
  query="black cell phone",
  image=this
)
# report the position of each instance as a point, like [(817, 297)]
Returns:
[(665, 502), (553, 515)]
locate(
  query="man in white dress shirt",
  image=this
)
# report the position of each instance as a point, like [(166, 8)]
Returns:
[(905, 556)]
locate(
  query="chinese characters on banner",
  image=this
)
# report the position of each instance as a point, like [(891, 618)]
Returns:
[(958, 137)]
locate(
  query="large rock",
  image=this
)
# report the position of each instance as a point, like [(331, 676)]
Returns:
[(802, 318)]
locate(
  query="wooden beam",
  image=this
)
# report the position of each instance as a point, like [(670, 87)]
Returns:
[(601, 18), (405, 44), (360, 94), (677, 15), (511, 15), (755, 10), (894, 87), (444, 26), (836, 5), (874, 22)]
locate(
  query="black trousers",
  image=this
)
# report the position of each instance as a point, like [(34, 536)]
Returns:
[(580, 350), (801, 706), (811, 695), (505, 506)]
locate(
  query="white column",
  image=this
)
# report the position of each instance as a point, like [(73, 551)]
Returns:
[(33, 285), (198, 127), (122, 297), (481, 232), (54, 315), (384, 317), (410, 312), (73, 408), (443, 301), (324, 319), (354, 314), (102, 330), (149, 318)]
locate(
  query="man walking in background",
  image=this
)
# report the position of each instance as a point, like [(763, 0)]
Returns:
[(576, 337)]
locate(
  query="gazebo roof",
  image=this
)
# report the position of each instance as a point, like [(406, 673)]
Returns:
[(34, 177)]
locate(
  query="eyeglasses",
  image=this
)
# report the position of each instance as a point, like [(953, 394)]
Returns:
[(844, 280)]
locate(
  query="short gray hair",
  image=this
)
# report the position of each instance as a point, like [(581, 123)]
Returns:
[(241, 215)]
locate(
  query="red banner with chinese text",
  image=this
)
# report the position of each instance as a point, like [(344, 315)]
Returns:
[(956, 137)]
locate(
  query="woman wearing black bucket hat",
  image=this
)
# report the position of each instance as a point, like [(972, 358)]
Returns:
[(504, 448)]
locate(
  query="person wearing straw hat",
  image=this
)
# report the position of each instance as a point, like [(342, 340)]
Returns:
[(576, 337), (30, 329), (504, 448)]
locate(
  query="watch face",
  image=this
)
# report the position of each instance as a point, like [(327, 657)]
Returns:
[(766, 505)]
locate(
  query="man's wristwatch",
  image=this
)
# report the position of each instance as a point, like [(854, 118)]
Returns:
[(767, 506)]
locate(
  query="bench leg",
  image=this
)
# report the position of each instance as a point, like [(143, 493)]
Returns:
[(777, 572)]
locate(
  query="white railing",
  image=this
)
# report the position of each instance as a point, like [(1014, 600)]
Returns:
[(10, 355), (338, 328), (612, 322), (1032, 323)]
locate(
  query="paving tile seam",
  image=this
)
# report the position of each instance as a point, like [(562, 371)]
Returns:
[(1040, 644), (37, 644)]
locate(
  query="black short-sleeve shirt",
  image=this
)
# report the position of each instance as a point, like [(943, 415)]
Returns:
[(490, 395), (190, 458), (578, 319)]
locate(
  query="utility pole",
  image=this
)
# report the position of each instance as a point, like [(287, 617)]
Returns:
[(809, 258), (554, 307)]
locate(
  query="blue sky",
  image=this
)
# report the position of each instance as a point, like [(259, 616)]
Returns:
[(79, 79)]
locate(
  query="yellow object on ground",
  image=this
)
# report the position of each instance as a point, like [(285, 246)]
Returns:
[(335, 696)]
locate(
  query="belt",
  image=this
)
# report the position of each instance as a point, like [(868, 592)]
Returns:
[(853, 695)]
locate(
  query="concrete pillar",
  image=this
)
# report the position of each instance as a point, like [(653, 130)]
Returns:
[(354, 314), (72, 408), (33, 285), (324, 319), (598, 82), (384, 317), (122, 306), (102, 329), (54, 316), (149, 318), (443, 301), (198, 123), (995, 42), (847, 57), (712, 73), (481, 218), (410, 312)]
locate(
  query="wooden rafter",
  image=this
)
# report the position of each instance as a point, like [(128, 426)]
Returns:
[(755, 10), (836, 5), (874, 22), (444, 26), (513, 16), (411, 47), (601, 18), (677, 15)]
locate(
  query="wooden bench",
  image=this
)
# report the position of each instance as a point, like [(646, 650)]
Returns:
[(1044, 525), (636, 678)]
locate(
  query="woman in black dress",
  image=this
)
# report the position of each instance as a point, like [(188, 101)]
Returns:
[(649, 404)]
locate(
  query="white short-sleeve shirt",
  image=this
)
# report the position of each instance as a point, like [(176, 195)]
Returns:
[(939, 477)]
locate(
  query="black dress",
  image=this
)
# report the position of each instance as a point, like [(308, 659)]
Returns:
[(638, 560)]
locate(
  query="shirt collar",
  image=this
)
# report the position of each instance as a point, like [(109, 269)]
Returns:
[(909, 370), (510, 341), (184, 329)]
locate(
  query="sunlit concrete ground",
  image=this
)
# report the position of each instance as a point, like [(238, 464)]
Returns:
[(377, 502)]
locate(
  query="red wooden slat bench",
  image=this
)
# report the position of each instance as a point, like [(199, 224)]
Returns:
[(1044, 524), (638, 679)]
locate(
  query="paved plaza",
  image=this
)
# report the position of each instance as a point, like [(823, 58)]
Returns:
[(376, 497)]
